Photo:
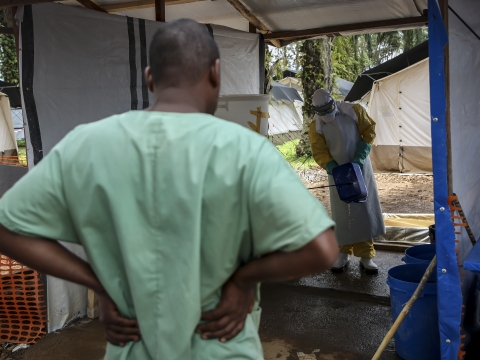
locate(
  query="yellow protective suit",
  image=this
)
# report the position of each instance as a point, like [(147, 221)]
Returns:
[(366, 128)]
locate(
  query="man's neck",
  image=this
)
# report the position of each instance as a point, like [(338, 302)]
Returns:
[(177, 100)]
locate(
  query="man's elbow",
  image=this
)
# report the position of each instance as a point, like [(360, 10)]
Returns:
[(325, 250)]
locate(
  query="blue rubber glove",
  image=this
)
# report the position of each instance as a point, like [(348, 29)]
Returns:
[(330, 166), (361, 153)]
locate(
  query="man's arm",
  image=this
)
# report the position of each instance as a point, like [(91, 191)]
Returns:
[(228, 319), (50, 257)]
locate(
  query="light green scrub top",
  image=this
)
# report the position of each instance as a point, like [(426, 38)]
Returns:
[(167, 207)]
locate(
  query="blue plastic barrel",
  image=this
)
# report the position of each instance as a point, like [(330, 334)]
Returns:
[(419, 254), (418, 337)]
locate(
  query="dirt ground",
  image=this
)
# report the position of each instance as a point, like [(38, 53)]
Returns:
[(399, 193)]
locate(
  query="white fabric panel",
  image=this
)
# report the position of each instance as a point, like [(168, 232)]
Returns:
[(465, 121), (82, 70), (82, 73), (7, 131), (281, 15), (239, 61), (66, 300), (400, 105)]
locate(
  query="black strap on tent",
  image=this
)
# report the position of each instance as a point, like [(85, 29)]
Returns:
[(28, 58), (464, 22), (261, 58), (133, 65), (143, 61)]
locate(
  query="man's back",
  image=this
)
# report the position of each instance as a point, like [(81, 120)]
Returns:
[(168, 206)]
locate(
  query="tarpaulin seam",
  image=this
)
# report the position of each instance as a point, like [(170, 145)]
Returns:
[(28, 60), (143, 61), (133, 65), (449, 291)]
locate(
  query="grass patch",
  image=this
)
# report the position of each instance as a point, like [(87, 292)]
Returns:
[(22, 156), (288, 150), (21, 143)]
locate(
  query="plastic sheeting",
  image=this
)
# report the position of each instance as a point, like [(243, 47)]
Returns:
[(283, 15), (291, 15), (218, 12), (465, 127), (409, 229), (400, 105), (9, 175), (65, 300), (93, 68), (8, 143)]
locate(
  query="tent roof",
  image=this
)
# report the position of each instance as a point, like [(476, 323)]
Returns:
[(364, 82), (343, 86), (283, 92), (281, 21), (13, 93)]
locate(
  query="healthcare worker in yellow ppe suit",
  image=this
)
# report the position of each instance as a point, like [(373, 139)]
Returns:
[(342, 133)]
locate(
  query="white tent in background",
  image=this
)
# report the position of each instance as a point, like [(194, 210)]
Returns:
[(285, 111), (285, 122), (8, 143), (400, 105)]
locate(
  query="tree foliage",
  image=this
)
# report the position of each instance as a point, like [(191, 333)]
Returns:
[(8, 52), (321, 61)]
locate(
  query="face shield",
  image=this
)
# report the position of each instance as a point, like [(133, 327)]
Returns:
[(327, 111)]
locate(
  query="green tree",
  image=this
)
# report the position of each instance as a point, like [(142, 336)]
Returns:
[(312, 76), (8, 52)]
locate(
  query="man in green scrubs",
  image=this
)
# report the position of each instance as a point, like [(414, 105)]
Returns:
[(180, 223)]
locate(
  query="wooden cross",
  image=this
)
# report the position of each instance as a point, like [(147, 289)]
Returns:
[(260, 115)]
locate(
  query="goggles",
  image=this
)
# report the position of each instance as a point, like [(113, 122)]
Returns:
[(326, 109)]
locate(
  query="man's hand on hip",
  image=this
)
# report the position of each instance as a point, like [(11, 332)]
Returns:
[(118, 330), (228, 319)]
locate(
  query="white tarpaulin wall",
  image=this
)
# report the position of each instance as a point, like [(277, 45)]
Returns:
[(464, 53), (79, 66), (8, 143), (400, 105), (93, 67)]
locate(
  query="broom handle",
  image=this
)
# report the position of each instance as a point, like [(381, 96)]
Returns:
[(405, 309)]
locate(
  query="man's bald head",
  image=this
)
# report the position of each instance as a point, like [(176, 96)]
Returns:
[(181, 52)]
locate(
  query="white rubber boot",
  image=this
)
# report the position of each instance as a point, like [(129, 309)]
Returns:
[(369, 266), (341, 263)]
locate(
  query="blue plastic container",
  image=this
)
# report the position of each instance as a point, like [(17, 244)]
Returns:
[(418, 336), (349, 181), (420, 254)]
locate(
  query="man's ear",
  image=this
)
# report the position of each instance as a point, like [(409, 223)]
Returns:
[(214, 75), (149, 78)]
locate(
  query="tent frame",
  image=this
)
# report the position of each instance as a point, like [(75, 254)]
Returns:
[(441, 147)]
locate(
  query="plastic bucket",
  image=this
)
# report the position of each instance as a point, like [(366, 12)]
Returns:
[(419, 254), (418, 337), (250, 111)]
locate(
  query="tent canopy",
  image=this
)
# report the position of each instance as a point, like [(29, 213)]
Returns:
[(281, 21), (364, 82), (343, 86), (282, 92)]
